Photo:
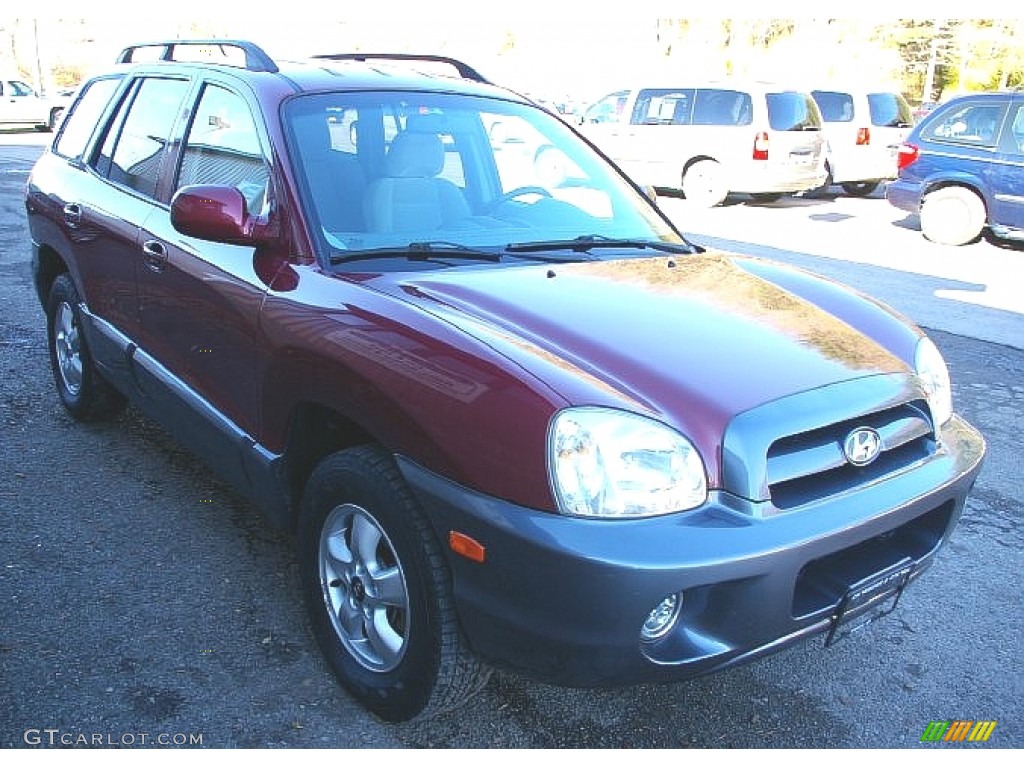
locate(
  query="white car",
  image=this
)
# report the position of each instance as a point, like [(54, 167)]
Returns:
[(21, 105)]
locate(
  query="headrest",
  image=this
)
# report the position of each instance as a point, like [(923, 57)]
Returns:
[(414, 155)]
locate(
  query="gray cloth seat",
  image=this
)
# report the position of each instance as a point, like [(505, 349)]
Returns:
[(409, 196)]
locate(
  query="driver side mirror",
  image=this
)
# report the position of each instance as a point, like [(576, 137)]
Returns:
[(217, 213)]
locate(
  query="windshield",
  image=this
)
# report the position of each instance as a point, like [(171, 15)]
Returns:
[(381, 170)]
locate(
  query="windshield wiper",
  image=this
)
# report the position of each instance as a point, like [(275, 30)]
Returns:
[(585, 243), (427, 250)]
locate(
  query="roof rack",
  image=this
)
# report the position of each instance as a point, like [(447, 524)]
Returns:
[(464, 70), (256, 59)]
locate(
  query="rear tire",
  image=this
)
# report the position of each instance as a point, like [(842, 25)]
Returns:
[(859, 188), (952, 216), (378, 590), (827, 184), (82, 391), (704, 184)]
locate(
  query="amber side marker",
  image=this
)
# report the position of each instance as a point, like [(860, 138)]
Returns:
[(468, 547)]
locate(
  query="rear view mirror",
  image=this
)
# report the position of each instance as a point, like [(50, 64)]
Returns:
[(217, 213)]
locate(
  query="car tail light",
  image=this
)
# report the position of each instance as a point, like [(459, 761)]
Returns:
[(906, 155), (863, 136), (761, 146)]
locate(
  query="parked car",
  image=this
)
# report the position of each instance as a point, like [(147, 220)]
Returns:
[(962, 169), (515, 417), (863, 130), (21, 105), (712, 139)]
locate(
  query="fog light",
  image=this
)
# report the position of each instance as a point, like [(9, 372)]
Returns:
[(662, 618)]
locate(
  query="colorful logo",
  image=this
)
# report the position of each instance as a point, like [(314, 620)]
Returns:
[(958, 730)]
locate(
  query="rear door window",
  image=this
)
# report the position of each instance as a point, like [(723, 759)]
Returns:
[(133, 150), (792, 111), (973, 123), (718, 106)]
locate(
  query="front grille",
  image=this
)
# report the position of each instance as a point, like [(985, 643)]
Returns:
[(811, 465)]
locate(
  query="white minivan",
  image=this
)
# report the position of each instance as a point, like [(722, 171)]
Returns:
[(711, 139), (863, 130)]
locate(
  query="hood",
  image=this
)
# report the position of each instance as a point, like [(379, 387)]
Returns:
[(692, 340)]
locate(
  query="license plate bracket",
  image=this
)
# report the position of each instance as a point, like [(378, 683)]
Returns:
[(869, 599)]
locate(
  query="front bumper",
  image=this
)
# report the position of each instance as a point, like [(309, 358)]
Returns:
[(562, 599), (904, 195)]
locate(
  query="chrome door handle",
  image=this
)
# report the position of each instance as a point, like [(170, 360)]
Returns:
[(155, 255), (72, 214)]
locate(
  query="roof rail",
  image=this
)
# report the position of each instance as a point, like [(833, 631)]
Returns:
[(256, 59), (464, 70)]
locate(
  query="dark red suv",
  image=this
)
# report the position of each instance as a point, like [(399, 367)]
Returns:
[(515, 417)]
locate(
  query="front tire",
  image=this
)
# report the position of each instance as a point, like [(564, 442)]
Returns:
[(378, 591), (82, 391), (952, 216), (704, 183)]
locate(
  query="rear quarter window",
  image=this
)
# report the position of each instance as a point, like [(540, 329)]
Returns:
[(890, 110), (85, 115)]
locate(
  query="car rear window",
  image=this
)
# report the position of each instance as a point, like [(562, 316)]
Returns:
[(890, 110), (835, 106), (793, 111)]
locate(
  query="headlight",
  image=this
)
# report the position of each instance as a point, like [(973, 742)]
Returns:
[(608, 463), (934, 376)]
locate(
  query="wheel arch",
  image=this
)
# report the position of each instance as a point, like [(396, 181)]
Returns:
[(693, 161), (315, 431), (967, 182), (49, 266)]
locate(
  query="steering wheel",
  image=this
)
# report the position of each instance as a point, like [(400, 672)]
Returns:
[(512, 194)]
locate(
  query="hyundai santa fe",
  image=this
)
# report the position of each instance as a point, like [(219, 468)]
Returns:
[(513, 416)]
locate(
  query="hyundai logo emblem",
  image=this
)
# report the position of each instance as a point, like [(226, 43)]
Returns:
[(862, 446)]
